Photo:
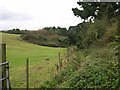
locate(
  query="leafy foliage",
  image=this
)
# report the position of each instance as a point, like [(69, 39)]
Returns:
[(94, 69), (96, 64), (48, 36), (96, 10)]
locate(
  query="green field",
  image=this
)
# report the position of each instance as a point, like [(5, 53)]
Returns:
[(40, 68)]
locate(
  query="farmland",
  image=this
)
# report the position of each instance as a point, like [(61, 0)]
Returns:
[(41, 60)]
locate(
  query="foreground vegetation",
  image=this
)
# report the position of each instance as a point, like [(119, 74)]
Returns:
[(42, 59), (92, 68), (96, 63)]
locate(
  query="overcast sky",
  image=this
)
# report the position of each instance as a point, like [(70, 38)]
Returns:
[(36, 14)]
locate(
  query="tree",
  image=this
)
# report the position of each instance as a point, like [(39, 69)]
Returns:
[(58, 30), (96, 10)]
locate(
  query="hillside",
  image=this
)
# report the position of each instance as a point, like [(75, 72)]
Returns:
[(92, 68), (42, 59), (95, 63)]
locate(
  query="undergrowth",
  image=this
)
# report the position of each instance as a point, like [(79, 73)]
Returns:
[(96, 64), (92, 68)]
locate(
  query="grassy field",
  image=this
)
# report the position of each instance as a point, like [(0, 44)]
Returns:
[(40, 67)]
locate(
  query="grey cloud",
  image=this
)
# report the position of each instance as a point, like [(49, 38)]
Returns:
[(13, 16)]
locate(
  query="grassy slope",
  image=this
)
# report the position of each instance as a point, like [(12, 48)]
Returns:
[(18, 51)]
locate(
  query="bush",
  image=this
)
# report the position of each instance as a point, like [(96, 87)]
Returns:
[(44, 38)]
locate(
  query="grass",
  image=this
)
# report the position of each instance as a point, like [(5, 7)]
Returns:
[(17, 53)]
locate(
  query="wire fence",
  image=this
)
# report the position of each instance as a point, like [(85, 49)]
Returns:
[(4, 69), (4, 76)]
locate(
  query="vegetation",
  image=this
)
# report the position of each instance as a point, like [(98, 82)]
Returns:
[(97, 10), (16, 31), (95, 64), (46, 37), (93, 68)]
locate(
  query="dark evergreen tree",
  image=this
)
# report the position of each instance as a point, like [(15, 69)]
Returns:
[(97, 10)]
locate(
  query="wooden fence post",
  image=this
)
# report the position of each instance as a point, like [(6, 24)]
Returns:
[(4, 82), (60, 61), (27, 74), (68, 53), (57, 66)]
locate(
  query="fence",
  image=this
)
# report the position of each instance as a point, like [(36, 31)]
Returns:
[(4, 80), (4, 69)]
